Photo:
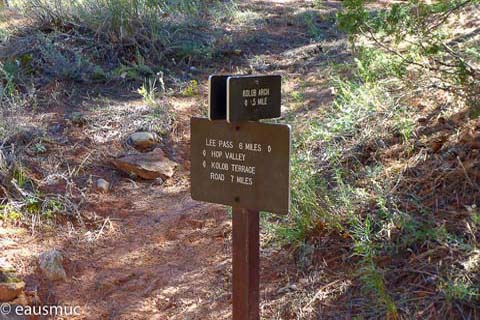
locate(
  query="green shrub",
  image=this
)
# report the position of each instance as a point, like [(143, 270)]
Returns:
[(306, 211), (155, 27), (7, 79), (417, 34), (459, 290)]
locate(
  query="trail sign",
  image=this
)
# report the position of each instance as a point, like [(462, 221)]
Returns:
[(245, 164), (253, 97), (217, 97)]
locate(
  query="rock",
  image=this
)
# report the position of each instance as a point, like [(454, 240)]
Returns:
[(51, 264), (102, 185), (142, 140), (25, 135), (11, 315), (56, 129), (7, 273), (5, 265), (11, 290), (11, 287), (21, 300), (8, 276), (158, 182), (149, 166)]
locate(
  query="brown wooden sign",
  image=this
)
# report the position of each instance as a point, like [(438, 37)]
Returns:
[(253, 97), (244, 164)]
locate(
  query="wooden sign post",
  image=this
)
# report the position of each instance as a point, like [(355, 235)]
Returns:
[(246, 264), (244, 164)]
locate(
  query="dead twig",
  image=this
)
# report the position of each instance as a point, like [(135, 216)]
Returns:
[(319, 293)]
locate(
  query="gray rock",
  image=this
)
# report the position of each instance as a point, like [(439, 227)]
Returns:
[(11, 287), (149, 166), (51, 264), (8, 273), (142, 140), (25, 135), (5, 265), (12, 315), (102, 185)]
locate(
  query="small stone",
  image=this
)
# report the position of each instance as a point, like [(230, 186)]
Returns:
[(51, 264), (158, 182), (102, 185), (56, 129), (11, 290), (8, 274), (25, 135), (5, 265), (149, 166), (333, 91), (142, 140)]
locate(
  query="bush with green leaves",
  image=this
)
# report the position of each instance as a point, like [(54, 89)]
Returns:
[(421, 35)]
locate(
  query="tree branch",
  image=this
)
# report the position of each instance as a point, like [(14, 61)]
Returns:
[(447, 14)]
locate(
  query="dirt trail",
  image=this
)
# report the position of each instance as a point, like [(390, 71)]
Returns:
[(161, 255), (159, 264)]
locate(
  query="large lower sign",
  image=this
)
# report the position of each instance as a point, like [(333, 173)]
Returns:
[(244, 164), (253, 97)]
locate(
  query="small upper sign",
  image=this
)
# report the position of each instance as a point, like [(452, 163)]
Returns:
[(253, 97)]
